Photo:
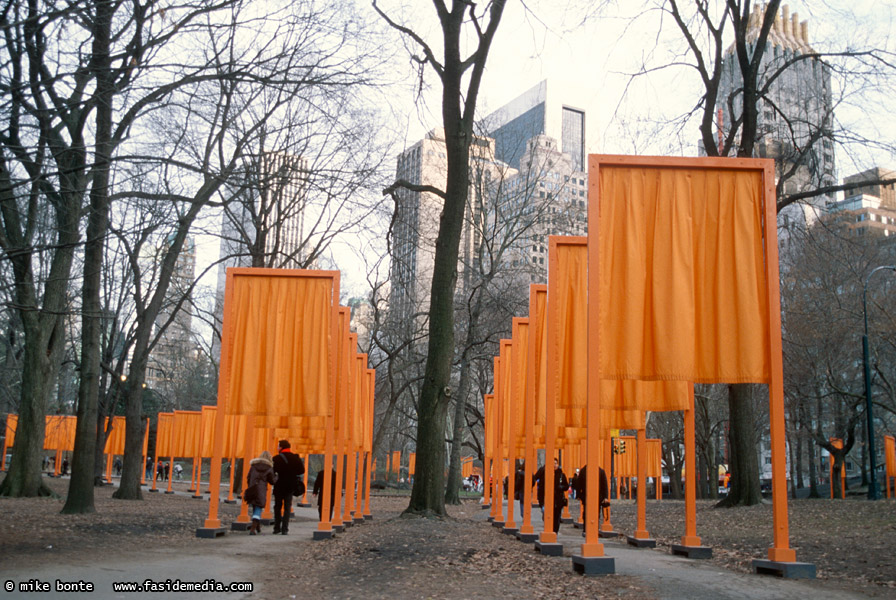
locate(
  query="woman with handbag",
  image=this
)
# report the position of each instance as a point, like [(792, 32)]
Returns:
[(261, 473)]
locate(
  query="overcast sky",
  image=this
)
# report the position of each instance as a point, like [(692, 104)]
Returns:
[(598, 54)]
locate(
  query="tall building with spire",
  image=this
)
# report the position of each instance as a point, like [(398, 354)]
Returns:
[(795, 114), (262, 225)]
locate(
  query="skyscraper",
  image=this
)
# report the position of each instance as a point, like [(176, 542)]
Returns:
[(541, 110), (176, 344), (262, 225), (795, 114), (417, 215)]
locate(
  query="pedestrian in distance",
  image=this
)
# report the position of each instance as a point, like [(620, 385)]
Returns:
[(261, 473), (288, 468), (561, 484), (582, 492), (318, 491), (519, 481)]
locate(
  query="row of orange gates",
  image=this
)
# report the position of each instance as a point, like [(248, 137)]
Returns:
[(289, 370), (676, 283)]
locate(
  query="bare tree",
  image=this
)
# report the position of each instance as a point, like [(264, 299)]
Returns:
[(738, 102), (460, 78)]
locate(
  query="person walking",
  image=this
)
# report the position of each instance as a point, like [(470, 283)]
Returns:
[(318, 491), (561, 484), (581, 488), (288, 468), (261, 473)]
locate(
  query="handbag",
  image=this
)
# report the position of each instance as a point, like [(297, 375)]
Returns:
[(299, 488)]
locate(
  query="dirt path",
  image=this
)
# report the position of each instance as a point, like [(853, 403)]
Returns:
[(400, 558)]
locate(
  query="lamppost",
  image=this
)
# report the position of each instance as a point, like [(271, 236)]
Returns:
[(873, 492)]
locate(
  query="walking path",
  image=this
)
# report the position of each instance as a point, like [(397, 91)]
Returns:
[(242, 558)]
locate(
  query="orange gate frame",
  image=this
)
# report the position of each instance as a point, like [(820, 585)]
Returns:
[(249, 405), (759, 226)]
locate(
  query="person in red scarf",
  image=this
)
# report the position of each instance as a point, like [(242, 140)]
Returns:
[(289, 469)]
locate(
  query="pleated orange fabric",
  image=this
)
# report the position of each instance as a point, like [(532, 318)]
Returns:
[(185, 432), (890, 455), (164, 426), (625, 463), (115, 439), (517, 397), (12, 423), (682, 274), (368, 428), (280, 343), (654, 449), (59, 432), (538, 337)]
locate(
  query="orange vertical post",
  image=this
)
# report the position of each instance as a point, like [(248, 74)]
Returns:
[(550, 421), (229, 499), (607, 459), (780, 551), (213, 522), (690, 483), (513, 408), (368, 468), (304, 498), (324, 526), (271, 435), (248, 450), (641, 449), (145, 452), (526, 529), (497, 512), (592, 546)]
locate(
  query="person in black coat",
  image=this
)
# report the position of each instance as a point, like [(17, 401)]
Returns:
[(261, 473), (288, 467), (581, 487), (318, 491), (561, 484)]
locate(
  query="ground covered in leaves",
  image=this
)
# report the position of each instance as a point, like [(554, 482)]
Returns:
[(851, 542)]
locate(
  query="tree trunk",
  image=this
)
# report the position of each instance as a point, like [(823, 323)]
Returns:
[(455, 475), (80, 491), (43, 329), (23, 479), (744, 467)]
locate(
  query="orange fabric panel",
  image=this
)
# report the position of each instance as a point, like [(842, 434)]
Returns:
[(164, 428), (368, 428), (657, 396), (344, 371), (682, 274), (115, 439), (654, 450), (280, 340), (359, 397), (59, 432), (412, 463), (890, 455), (396, 461), (626, 463), (207, 431), (187, 427), (491, 420), (12, 423), (538, 335), (504, 399), (519, 352), (567, 294)]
